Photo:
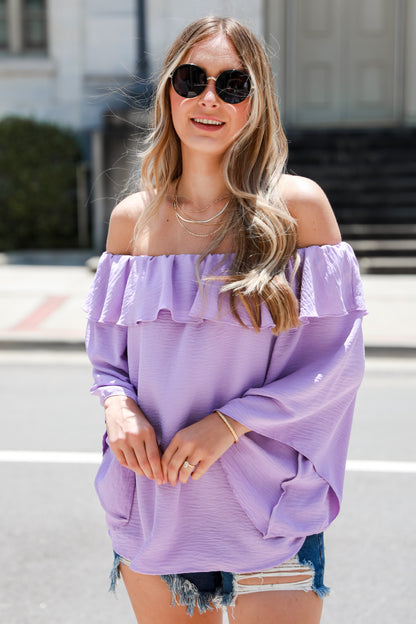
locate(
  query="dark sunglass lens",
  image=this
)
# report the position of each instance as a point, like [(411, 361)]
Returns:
[(233, 86), (189, 80)]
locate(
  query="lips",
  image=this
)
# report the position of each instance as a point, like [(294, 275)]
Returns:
[(203, 121)]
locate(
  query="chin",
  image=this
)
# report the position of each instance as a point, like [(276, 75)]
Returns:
[(204, 147)]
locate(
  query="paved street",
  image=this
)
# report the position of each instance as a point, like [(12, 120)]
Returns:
[(53, 540), (54, 547)]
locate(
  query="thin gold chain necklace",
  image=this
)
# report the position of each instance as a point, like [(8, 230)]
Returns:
[(177, 208), (181, 219), (194, 233)]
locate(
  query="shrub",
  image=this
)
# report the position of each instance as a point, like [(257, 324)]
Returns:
[(38, 207)]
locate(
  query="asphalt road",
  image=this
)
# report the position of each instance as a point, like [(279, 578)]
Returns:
[(55, 554)]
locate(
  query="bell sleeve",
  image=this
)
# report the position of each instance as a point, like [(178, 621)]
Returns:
[(106, 331), (106, 347), (288, 471)]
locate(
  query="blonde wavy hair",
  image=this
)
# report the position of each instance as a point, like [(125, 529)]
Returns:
[(263, 230)]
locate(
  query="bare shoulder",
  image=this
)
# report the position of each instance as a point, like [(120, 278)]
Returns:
[(308, 204), (123, 221)]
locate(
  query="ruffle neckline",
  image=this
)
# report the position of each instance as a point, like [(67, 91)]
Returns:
[(132, 289)]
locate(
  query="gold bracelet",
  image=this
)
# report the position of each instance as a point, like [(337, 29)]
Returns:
[(225, 421)]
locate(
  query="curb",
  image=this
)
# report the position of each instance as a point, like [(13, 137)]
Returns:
[(48, 257), (390, 351), (24, 344)]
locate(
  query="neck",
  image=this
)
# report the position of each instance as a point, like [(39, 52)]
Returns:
[(202, 181)]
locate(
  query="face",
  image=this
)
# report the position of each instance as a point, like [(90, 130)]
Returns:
[(206, 123)]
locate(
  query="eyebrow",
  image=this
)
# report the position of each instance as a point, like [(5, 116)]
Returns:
[(239, 68)]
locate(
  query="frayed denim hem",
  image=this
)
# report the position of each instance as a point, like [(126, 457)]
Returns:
[(185, 593), (115, 573), (312, 554), (321, 592), (209, 590)]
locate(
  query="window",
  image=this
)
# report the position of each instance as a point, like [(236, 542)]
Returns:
[(34, 25), (23, 26), (3, 25)]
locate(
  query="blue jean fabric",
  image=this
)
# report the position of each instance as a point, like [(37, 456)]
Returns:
[(206, 590)]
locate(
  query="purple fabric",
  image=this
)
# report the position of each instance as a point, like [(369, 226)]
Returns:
[(157, 337)]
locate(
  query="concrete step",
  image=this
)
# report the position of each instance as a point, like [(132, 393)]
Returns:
[(384, 247), (368, 174), (387, 265), (378, 230)]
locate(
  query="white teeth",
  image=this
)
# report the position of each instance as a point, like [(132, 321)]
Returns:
[(209, 122)]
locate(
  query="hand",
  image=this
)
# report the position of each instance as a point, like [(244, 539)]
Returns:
[(201, 444), (132, 438)]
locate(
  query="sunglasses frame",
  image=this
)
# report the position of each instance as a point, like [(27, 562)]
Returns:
[(220, 92)]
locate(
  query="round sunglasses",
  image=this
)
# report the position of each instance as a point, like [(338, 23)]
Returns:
[(232, 86)]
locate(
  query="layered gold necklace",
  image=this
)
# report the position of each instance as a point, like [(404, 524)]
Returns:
[(184, 219)]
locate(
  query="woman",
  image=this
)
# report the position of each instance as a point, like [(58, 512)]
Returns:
[(225, 336)]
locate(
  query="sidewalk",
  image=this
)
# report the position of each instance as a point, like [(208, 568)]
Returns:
[(40, 306)]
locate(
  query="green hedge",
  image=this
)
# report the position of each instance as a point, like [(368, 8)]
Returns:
[(38, 207)]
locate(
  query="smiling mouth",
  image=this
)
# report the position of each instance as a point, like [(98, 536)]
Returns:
[(208, 122)]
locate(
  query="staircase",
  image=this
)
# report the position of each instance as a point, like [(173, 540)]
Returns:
[(369, 176)]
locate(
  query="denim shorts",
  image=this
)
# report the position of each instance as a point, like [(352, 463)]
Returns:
[(208, 590)]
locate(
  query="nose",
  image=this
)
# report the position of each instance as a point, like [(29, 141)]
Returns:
[(209, 95)]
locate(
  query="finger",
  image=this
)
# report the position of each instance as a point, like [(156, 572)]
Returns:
[(143, 461), (119, 455), (131, 462), (200, 470), (166, 460), (153, 456), (186, 470), (174, 466), (139, 472)]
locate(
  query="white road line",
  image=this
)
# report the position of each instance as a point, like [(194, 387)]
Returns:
[(368, 465), (49, 457), (64, 457)]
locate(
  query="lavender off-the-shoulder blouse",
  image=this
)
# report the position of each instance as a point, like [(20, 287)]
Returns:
[(157, 337)]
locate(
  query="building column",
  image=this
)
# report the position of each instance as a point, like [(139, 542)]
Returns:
[(410, 65), (275, 28), (99, 230)]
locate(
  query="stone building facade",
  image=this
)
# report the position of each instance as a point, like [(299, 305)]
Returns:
[(338, 63)]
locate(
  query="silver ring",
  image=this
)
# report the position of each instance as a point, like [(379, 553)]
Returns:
[(186, 464)]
